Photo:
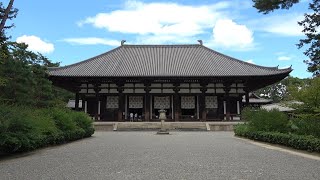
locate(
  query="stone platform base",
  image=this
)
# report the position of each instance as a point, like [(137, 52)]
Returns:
[(171, 126)]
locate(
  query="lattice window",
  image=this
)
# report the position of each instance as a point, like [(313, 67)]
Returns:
[(112, 102), (162, 102), (188, 102), (135, 102), (211, 102)]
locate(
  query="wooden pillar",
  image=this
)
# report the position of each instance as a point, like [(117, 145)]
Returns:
[(147, 107), (227, 99), (177, 104), (203, 103), (121, 103), (247, 98), (83, 102), (147, 89), (102, 107), (77, 102), (96, 111)]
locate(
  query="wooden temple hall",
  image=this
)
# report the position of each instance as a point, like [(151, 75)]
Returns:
[(190, 82)]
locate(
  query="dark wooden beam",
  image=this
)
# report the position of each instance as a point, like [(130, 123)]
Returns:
[(202, 103), (176, 102), (227, 89), (77, 102), (147, 101)]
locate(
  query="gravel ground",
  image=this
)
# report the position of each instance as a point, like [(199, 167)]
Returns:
[(144, 155)]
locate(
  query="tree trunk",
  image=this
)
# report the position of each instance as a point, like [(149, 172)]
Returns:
[(5, 16)]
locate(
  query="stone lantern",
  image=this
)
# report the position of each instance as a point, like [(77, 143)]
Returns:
[(162, 117)]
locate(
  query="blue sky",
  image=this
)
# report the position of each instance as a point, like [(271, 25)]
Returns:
[(71, 31)]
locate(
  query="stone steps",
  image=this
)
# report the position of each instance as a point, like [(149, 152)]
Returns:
[(172, 126)]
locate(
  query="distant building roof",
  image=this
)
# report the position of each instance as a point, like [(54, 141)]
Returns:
[(164, 61), (278, 106), (254, 99)]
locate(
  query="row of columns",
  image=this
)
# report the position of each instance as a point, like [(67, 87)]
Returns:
[(177, 108)]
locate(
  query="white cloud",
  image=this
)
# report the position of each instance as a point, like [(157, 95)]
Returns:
[(286, 25), (166, 22), (284, 58), (92, 41), (250, 61), (36, 44), (159, 18), (229, 34)]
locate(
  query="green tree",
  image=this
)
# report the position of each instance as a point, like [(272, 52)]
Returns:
[(7, 13), (310, 26), (310, 96), (27, 80)]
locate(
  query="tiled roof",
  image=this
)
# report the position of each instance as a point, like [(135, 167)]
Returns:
[(253, 98), (277, 106), (163, 61)]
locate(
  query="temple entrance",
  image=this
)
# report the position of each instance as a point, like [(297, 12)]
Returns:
[(162, 102), (111, 109), (189, 108), (211, 107), (91, 107), (135, 108)]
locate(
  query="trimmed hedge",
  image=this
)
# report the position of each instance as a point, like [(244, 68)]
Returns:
[(263, 120), (303, 142), (25, 128)]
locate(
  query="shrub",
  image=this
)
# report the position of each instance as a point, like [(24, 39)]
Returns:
[(307, 124), (263, 120), (84, 122), (303, 142), (24, 128)]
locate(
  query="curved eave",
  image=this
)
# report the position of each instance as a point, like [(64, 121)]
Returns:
[(275, 73)]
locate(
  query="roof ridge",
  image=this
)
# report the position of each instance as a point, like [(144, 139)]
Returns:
[(158, 45), (243, 62)]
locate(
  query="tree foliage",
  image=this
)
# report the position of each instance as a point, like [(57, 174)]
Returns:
[(23, 73), (283, 90), (310, 96), (310, 26), (266, 6), (7, 13)]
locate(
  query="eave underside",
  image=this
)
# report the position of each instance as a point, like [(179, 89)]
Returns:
[(251, 82)]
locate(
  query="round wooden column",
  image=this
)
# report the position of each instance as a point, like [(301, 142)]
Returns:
[(203, 103), (121, 103), (227, 99), (83, 104), (147, 104), (77, 102), (176, 103), (96, 111)]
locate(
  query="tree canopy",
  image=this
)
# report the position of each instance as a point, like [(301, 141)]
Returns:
[(23, 73), (310, 26)]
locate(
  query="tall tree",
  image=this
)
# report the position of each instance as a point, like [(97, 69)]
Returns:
[(310, 26), (7, 13)]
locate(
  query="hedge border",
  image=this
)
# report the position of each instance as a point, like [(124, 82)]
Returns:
[(301, 142)]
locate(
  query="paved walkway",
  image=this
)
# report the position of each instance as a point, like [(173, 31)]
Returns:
[(144, 155)]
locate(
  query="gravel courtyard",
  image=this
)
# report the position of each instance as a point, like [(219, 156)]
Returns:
[(144, 155)]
